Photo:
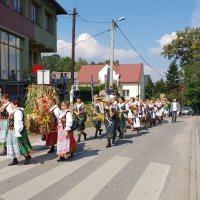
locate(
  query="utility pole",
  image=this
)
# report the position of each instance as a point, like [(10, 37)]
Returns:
[(112, 53), (73, 45)]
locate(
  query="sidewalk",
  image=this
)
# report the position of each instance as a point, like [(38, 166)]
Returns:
[(195, 161)]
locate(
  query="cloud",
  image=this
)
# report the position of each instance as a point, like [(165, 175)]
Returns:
[(165, 39), (154, 76), (196, 15), (90, 49)]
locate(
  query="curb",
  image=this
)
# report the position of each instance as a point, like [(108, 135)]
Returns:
[(195, 164)]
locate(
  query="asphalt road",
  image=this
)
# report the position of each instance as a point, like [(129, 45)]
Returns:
[(153, 166)]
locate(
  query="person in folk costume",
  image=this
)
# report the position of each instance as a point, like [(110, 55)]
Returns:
[(159, 112), (17, 140), (166, 108), (152, 113), (143, 106), (122, 109), (5, 111), (137, 101), (110, 121), (136, 122), (51, 136), (131, 111), (81, 117), (65, 142), (97, 109)]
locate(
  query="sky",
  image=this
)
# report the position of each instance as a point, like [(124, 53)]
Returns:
[(148, 24)]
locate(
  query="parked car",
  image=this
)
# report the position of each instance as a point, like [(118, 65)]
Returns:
[(187, 111)]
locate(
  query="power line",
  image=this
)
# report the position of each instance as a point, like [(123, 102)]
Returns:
[(84, 40), (95, 22), (138, 52)]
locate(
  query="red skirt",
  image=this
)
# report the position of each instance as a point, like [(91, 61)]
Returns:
[(51, 137), (73, 143)]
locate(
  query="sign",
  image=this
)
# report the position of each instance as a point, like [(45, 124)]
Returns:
[(43, 77)]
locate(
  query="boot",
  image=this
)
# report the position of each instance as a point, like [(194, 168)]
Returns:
[(14, 162), (27, 160), (43, 137), (120, 135), (113, 140), (96, 134), (109, 144), (79, 138), (51, 149), (61, 159), (100, 131), (4, 152), (85, 135)]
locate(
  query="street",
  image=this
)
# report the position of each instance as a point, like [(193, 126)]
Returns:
[(153, 166)]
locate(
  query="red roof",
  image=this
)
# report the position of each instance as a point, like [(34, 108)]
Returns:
[(129, 73)]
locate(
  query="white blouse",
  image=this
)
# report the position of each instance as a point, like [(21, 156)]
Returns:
[(18, 121), (69, 119), (56, 111), (8, 108)]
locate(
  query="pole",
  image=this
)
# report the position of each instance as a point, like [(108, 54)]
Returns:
[(92, 88), (112, 52), (73, 45)]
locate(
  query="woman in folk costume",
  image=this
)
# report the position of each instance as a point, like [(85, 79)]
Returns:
[(159, 112), (51, 136), (97, 109), (80, 117), (17, 140), (65, 142), (131, 111), (122, 109), (110, 121), (5, 111), (152, 112), (136, 122)]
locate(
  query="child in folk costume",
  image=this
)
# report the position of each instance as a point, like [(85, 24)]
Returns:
[(97, 109), (51, 136), (5, 111), (110, 121), (17, 140), (65, 142), (81, 117), (136, 123), (122, 109)]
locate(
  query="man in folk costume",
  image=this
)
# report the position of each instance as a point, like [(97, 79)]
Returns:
[(51, 136), (65, 142), (110, 120), (122, 109), (5, 111), (80, 117), (175, 107), (97, 109), (17, 140)]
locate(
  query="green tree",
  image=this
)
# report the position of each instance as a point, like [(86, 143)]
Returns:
[(149, 89), (49, 62), (173, 78), (159, 87), (185, 48), (79, 63), (63, 65)]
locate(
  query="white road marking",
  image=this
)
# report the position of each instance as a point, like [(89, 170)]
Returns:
[(40, 183), (151, 183), (94, 183)]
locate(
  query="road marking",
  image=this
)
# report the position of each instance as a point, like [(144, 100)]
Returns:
[(9, 172), (151, 183), (94, 183), (40, 183), (34, 145)]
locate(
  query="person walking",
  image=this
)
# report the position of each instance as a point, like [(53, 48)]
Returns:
[(175, 107)]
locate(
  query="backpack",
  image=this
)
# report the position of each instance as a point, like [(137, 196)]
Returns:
[(75, 124)]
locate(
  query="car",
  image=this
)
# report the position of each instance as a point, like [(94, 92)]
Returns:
[(187, 111)]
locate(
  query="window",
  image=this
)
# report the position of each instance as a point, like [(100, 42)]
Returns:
[(10, 55), (35, 13), (19, 6), (48, 22), (126, 93)]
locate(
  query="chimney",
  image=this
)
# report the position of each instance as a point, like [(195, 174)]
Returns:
[(117, 62)]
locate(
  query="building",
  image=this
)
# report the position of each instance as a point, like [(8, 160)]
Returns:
[(128, 77), (27, 29)]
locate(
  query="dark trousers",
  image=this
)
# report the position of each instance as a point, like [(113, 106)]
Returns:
[(174, 116)]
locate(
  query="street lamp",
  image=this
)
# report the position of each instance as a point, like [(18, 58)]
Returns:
[(113, 25)]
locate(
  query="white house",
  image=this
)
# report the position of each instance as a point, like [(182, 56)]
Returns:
[(128, 77)]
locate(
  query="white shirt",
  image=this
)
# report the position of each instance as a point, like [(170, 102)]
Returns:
[(8, 108), (18, 121), (56, 111), (69, 119), (174, 106)]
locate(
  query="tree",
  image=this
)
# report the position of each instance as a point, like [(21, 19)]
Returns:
[(185, 48), (173, 78), (79, 63), (159, 87), (49, 62), (63, 65), (149, 89)]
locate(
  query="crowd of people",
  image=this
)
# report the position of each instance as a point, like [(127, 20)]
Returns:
[(116, 113)]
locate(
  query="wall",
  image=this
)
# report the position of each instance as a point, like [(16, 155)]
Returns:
[(134, 89)]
